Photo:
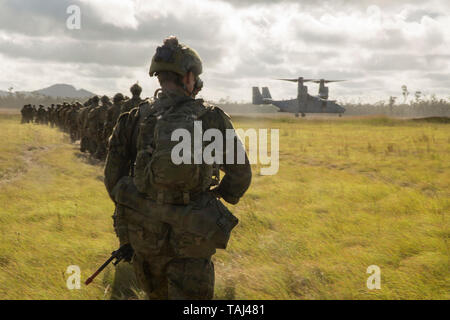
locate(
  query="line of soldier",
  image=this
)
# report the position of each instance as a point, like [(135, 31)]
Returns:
[(92, 122), (32, 114)]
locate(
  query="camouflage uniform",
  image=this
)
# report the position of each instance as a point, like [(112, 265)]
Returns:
[(112, 115), (33, 113), (56, 115), (99, 124), (72, 122), (41, 115), (51, 115), (106, 101), (23, 111), (27, 114), (65, 117), (87, 143), (60, 116), (170, 260)]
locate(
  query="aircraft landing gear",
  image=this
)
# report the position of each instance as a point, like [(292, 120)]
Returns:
[(296, 114), (340, 115), (303, 115)]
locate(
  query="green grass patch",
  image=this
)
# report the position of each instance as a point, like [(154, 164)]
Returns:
[(349, 194)]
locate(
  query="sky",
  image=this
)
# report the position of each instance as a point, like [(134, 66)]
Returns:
[(377, 45)]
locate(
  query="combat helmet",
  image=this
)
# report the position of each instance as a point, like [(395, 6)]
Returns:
[(105, 99), (95, 99), (175, 57), (118, 97), (136, 89)]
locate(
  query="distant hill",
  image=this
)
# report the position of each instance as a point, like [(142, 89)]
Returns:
[(64, 90), (3, 93)]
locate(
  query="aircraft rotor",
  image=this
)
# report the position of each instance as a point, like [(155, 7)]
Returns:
[(326, 81), (296, 80)]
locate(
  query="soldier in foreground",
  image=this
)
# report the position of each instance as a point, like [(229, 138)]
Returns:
[(171, 256)]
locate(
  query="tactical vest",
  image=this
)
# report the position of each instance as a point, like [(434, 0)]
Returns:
[(155, 173)]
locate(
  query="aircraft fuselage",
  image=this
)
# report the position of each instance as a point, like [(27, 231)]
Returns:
[(305, 103), (313, 105)]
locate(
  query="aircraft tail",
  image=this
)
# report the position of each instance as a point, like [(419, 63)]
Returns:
[(266, 93), (257, 97)]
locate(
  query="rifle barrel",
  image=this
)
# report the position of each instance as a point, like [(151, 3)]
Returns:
[(91, 278)]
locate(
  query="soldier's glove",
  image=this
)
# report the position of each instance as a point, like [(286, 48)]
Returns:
[(127, 252), (220, 193)]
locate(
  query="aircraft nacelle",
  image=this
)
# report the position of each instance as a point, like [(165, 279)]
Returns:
[(323, 93), (302, 91)]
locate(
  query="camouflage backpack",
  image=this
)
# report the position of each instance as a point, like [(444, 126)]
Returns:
[(155, 173)]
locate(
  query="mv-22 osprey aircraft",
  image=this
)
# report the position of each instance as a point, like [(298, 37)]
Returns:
[(304, 103)]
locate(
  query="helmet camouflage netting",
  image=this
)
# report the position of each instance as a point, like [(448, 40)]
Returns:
[(175, 57)]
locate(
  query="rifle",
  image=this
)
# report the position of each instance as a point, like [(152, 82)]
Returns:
[(120, 254)]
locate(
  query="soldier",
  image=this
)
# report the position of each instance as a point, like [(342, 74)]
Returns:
[(72, 121), (33, 114), (97, 118), (80, 122), (106, 101), (41, 114), (112, 115), (134, 101), (51, 115), (23, 111), (67, 108), (60, 116), (86, 143), (65, 116), (171, 247), (27, 113)]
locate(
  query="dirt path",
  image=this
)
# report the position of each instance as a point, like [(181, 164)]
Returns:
[(29, 159)]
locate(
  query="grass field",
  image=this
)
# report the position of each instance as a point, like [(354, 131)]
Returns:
[(350, 193)]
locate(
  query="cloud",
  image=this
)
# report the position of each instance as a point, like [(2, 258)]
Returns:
[(243, 43), (106, 53)]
